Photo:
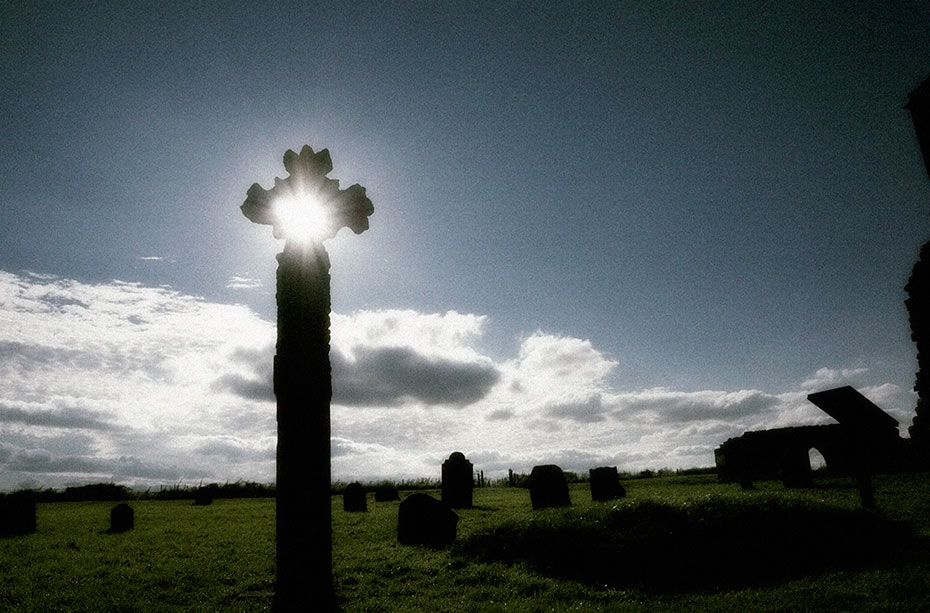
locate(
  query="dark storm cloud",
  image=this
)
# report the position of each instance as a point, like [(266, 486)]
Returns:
[(245, 387), (43, 461), (668, 406), (66, 418), (234, 450), (262, 358), (18, 357), (130, 466), (388, 376), (383, 376), (60, 303), (500, 415), (258, 386), (588, 411), (33, 356), (67, 443)]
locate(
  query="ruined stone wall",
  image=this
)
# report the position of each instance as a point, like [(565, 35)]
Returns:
[(782, 453)]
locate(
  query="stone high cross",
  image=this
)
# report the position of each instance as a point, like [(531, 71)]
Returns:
[(305, 209)]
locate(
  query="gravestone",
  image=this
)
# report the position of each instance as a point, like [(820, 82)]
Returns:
[(457, 481), (354, 498), (122, 518), (423, 520), (17, 516), (548, 487), (605, 484), (386, 493)]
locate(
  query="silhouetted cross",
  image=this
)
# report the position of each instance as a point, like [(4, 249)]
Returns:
[(307, 179), (305, 209)]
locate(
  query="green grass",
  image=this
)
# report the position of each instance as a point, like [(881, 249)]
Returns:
[(178, 557), (221, 557)]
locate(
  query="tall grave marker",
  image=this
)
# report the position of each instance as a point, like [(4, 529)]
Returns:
[(457, 481), (305, 209)]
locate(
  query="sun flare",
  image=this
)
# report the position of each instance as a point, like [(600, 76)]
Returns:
[(303, 217)]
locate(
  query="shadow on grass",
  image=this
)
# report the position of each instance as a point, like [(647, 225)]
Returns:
[(713, 544)]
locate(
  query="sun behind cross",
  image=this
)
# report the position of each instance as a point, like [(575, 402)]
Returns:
[(308, 206)]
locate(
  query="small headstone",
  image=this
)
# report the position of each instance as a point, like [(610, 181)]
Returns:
[(548, 487), (122, 518), (457, 481), (17, 516), (386, 493), (354, 498), (605, 484), (423, 520)]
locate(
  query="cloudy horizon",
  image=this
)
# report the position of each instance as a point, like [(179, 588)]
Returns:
[(148, 386), (604, 232)]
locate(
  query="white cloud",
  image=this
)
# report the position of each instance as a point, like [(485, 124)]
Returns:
[(146, 385), (448, 336), (826, 378), (553, 361), (243, 283), (123, 362)]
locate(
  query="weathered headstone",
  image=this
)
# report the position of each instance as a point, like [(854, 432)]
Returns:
[(457, 481), (548, 487), (423, 520), (17, 516), (122, 518), (354, 498), (386, 493), (605, 484)]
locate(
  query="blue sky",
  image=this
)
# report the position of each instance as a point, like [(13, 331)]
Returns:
[(603, 232)]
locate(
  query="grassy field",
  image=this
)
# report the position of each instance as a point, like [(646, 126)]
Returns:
[(675, 543)]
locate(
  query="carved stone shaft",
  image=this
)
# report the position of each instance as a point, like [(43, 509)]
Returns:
[(303, 389)]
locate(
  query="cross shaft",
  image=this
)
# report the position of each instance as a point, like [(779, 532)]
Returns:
[(302, 376)]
